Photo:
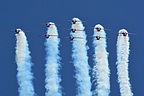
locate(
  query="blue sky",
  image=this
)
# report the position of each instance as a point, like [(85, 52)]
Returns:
[(30, 16)]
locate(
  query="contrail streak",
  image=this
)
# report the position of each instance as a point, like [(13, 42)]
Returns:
[(122, 63), (23, 60), (52, 62), (80, 60), (101, 71)]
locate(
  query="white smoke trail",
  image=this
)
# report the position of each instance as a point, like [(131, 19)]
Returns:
[(80, 60), (122, 63), (101, 69), (23, 60), (52, 62)]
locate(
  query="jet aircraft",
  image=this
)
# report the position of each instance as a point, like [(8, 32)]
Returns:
[(72, 37), (75, 20), (49, 24), (17, 30), (99, 27), (98, 37), (74, 30), (125, 32), (47, 35)]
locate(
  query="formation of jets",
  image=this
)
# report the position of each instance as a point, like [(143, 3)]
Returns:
[(98, 28)]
